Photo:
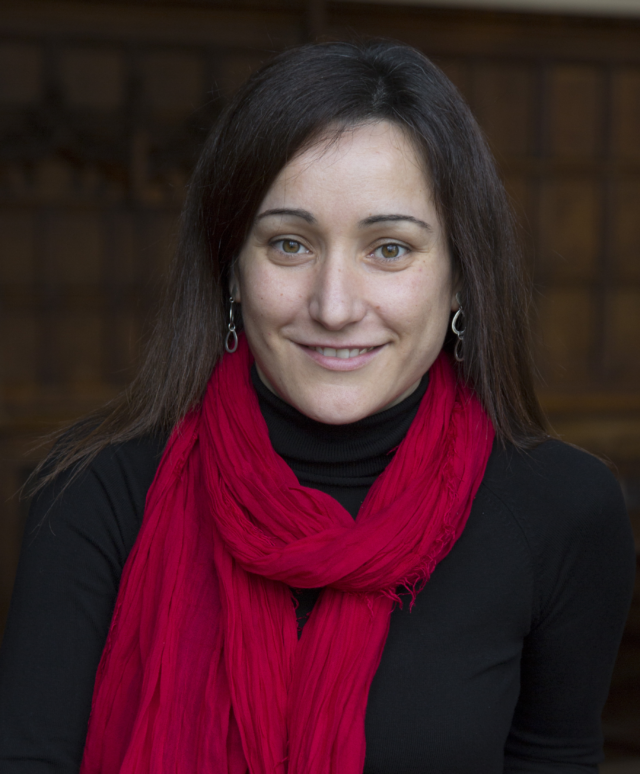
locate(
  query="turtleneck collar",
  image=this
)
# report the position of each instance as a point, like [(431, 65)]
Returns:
[(336, 455)]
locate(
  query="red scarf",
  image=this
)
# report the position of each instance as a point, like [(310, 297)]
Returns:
[(203, 671)]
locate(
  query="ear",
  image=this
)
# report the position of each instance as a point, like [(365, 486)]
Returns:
[(234, 286), (456, 291)]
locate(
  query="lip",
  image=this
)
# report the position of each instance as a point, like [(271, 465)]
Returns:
[(338, 363)]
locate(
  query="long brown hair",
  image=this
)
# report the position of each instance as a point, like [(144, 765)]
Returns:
[(298, 96)]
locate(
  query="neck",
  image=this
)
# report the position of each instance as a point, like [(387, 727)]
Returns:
[(338, 455)]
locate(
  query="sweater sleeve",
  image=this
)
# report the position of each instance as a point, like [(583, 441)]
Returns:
[(74, 549), (580, 537)]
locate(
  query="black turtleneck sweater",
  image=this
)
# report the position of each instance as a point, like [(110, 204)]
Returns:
[(502, 665)]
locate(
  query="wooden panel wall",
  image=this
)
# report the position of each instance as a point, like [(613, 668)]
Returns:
[(103, 109)]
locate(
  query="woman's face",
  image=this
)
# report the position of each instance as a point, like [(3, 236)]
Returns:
[(345, 279)]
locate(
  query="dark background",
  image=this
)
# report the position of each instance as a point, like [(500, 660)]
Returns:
[(103, 107)]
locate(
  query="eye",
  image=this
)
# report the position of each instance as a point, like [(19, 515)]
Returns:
[(290, 246), (390, 251)]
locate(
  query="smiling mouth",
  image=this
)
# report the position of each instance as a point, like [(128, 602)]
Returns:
[(343, 353)]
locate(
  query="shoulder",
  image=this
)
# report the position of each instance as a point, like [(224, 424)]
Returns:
[(129, 466), (570, 511), (104, 504), (554, 481)]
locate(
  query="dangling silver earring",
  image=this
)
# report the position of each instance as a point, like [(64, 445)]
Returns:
[(457, 352), (231, 339)]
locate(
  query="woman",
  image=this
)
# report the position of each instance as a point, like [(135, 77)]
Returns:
[(359, 550)]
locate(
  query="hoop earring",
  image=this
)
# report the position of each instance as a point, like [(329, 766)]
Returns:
[(231, 339), (457, 352)]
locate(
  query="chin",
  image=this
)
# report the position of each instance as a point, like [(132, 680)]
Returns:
[(342, 410)]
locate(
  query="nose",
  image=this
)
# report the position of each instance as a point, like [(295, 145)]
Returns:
[(336, 299)]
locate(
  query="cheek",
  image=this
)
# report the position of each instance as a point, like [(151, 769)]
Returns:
[(268, 298), (420, 306)]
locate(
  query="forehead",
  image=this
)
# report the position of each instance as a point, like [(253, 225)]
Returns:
[(371, 164)]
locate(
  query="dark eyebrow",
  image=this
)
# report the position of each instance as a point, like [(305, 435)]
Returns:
[(371, 220), (292, 213), (381, 218)]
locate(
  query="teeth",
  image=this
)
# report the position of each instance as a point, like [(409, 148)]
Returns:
[(343, 354)]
